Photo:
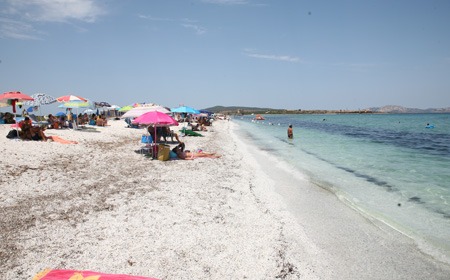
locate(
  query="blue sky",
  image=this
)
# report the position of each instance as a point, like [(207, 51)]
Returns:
[(290, 54)]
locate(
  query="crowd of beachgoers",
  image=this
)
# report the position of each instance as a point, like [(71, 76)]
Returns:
[(106, 199), (32, 127)]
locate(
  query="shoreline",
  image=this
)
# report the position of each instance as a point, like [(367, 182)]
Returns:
[(100, 206), (332, 223)]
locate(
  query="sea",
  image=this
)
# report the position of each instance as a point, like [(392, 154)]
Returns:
[(392, 167)]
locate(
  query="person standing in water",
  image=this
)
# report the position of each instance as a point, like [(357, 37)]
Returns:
[(290, 132)]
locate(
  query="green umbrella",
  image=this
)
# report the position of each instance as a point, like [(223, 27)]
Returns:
[(126, 108)]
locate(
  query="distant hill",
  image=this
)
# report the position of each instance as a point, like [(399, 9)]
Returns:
[(389, 109), (394, 109), (240, 110)]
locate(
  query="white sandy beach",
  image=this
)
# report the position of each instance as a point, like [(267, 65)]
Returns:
[(100, 206)]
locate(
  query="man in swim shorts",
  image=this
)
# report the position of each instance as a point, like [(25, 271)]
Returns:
[(290, 132)]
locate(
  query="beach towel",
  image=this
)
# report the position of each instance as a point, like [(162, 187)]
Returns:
[(61, 140), (190, 132), (51, 274)]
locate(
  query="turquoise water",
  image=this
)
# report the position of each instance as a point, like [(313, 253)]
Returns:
[(390, 167)]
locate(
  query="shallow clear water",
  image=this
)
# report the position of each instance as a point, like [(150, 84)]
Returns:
[(390, 167)]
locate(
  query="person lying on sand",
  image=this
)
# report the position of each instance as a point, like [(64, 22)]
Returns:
[(188, 155), (38, 135)]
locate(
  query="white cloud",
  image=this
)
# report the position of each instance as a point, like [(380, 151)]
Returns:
[(17, 30), (151, 18), (21, 16), (55, 10), (185, 22), (198, 29), (286, 58), (226, 2)]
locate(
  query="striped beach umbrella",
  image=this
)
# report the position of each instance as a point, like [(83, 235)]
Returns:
[(69, 98)]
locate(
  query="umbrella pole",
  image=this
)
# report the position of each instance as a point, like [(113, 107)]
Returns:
[(15, 119), (17, 127), (156, 145)]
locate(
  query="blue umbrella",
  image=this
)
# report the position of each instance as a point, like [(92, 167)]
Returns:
[(206, 112), (185, 109), (59, 114)]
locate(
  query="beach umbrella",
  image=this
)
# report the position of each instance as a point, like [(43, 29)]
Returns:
[(126, 108), (60, 114), (13, 97), (138, 111), (185, 109), (88, 111), (156, 118), (206, 112), (114, 108), (75, 104), (101, 104), (69, 98), (40, 99)]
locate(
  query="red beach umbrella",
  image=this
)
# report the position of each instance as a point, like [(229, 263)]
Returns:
[(15, 96), (69, 98)]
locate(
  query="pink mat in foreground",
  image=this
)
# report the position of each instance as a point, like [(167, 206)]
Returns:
[(50, 274)]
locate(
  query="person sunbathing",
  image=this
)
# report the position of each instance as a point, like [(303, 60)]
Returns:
[(39, 135), (188, 155)]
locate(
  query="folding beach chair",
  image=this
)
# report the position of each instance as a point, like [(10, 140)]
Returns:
[(149, 147)]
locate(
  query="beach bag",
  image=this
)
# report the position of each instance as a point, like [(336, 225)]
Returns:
[(12, 134), (163, 152)]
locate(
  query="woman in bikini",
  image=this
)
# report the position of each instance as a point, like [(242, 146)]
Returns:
[(188, 155)]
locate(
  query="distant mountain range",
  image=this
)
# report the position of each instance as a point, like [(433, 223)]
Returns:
[(389, 109), (393, 109)]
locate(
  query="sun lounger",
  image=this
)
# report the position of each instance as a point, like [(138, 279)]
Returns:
[(38, 120)]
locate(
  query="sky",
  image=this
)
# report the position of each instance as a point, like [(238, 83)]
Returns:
[(284, 54)]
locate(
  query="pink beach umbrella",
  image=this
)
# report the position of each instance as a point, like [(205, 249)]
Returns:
[(155, 118)]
